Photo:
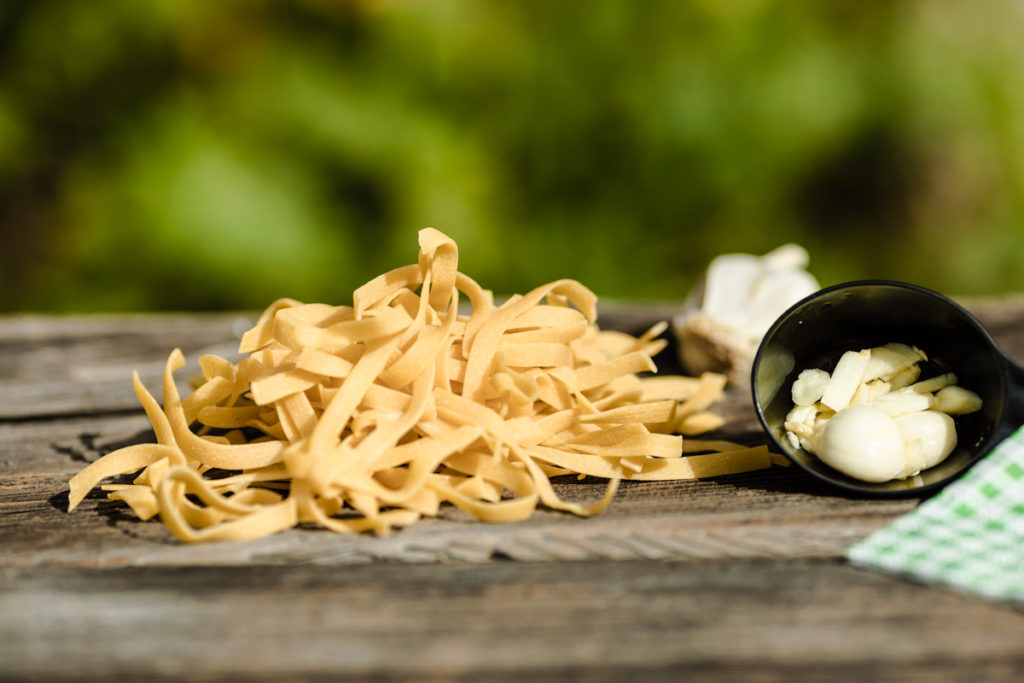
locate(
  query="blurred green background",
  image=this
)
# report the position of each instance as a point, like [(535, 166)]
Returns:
[(174, 154)]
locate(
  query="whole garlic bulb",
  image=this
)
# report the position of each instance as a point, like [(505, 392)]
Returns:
[(734, 304)]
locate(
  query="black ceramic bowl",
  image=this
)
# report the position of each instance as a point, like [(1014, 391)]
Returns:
[(814, 332)]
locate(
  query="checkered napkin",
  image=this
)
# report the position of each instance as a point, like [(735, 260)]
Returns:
[(970, 536)]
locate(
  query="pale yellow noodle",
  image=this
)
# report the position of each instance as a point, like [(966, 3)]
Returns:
[(370, 416)]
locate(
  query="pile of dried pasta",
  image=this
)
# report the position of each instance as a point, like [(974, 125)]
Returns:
[(370, 416)]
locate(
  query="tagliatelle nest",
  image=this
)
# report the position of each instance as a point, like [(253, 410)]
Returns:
[(370, 416)]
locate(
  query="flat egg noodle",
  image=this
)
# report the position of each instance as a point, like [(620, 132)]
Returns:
[(371, 416)]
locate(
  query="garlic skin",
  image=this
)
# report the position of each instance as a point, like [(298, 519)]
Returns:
[(730, 310), (864, 443)]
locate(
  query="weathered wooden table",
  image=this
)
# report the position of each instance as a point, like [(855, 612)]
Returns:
[(737, 577)]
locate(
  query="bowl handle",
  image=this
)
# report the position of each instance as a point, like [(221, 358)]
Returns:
[(1013, 411)]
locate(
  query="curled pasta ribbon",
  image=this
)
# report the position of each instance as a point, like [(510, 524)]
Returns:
[(370, 416)]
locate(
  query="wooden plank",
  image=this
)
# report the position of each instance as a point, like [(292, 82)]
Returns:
[(776, 513), (588, 621), (79, 365), (76, 365), (737, 577), (779, 512)]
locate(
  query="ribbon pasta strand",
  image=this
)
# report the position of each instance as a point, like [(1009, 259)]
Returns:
[(371, 416)]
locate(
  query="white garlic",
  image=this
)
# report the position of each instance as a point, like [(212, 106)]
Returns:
[(956, 400), (872, 419), (864, 443), (935, 432), (731, 308), (869, 391), (891, 359), (902, 401), (905, 377), (930, 386), (809, 386), (847, 376)]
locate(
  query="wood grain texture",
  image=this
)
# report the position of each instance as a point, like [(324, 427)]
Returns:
[(82, 365), (737, 577), (779, 512), (591, 621)]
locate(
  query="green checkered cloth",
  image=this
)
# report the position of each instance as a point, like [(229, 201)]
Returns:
[(970, 536)]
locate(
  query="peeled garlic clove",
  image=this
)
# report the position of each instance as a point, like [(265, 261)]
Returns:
[(868, 391), (935, 432), (905, 377), (845, 379), (734, 304), (914, 458), (804, 434), (901, 402), (876, 388), (809, 386), (930, 386), (955, 400), (804, 414), (863, 442), (889, 360)]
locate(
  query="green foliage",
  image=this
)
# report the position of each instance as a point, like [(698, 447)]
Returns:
[(201, 155)]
